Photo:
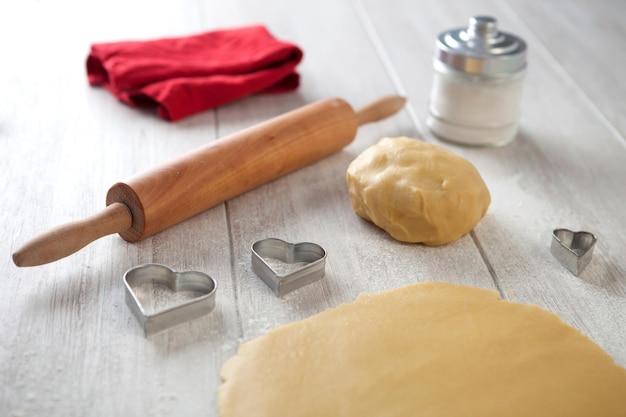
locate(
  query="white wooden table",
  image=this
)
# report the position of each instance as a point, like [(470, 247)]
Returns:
[(69, 345)]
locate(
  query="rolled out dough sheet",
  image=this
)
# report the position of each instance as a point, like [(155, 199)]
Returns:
[(431, 349)]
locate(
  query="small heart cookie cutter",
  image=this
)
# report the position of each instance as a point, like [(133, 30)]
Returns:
[(310, 257), (157, 274), (573, 249)]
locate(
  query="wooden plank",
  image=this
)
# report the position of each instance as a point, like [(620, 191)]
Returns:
[(564, 170), (586, 42), (312, 204), (70, 346)]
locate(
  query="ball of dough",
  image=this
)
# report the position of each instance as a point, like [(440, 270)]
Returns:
[(416, 191)]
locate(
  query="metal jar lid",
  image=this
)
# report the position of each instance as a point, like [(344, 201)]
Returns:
[(481, 48)]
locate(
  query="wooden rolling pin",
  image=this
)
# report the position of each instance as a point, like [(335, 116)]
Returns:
[(155, 200)]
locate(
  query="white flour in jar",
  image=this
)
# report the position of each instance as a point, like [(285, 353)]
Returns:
[(477, 85)]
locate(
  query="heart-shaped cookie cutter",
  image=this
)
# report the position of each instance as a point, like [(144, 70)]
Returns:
[(157, 274), (312, 254), (573, 249)]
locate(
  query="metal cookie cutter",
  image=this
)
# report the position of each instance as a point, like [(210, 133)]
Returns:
[(177, 282), (306, 264), (572, 249)]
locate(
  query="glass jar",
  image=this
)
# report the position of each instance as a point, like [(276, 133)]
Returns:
[(477, 85)]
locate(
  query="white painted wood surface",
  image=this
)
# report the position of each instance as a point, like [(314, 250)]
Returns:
[(69, 345)]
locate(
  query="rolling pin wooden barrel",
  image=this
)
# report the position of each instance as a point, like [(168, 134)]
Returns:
[(225, 168)]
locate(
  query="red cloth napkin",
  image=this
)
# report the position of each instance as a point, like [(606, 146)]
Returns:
[(190, 74)]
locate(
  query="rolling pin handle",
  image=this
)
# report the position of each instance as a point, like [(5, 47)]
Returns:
[(69, 238), (380, 109)]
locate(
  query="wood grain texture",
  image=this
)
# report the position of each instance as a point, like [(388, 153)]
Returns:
[(153, 201), (66, 239), (564, 170), (214, 173), (71, 347)]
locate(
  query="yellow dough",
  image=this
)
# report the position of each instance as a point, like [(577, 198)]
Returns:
[(430, 349), (416, 191)]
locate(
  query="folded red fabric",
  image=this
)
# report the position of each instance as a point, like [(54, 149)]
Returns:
[(190, 74)]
